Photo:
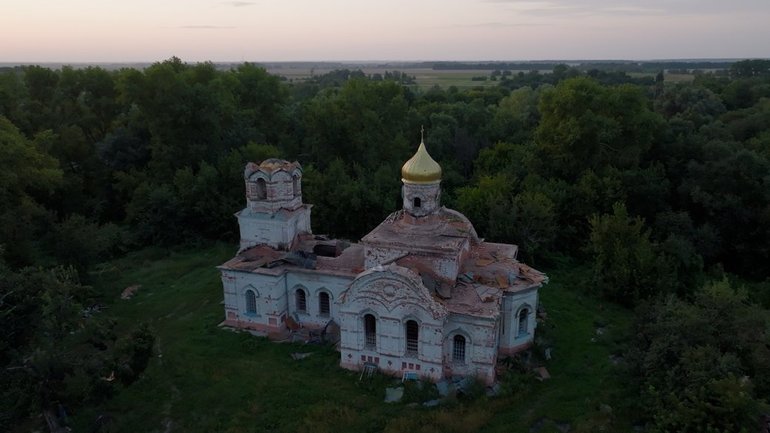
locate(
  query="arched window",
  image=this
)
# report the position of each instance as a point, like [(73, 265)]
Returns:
[(295, 185), (523, 321), (458, 349), (301, 300), (417, 202), (261, 192), (370, 332), (412, 337), (251, 302), (323, 304)]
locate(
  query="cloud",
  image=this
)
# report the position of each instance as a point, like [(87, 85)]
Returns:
[(496, 25), (206, 27), (238, 4)]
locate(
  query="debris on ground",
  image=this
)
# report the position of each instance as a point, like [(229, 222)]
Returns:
[(542, 373), (394, 395), (331, 332), (444, 387), (300, 355), (493, 390), (368, 371), (130, 291), (459, 384), (292, 324)]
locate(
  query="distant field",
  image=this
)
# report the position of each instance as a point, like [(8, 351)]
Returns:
[(207, 379), (668, 77), (678, 78), (446, 78), (425, 77)]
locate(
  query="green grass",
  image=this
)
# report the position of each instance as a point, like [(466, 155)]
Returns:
[(206, 379), (458, 78)]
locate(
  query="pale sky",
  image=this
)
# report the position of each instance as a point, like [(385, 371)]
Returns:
[(287, 30)]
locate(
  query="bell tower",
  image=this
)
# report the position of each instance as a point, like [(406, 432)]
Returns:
[(274, 213)]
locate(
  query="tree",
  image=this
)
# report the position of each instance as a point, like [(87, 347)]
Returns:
[(477, 202), (528, 221), (626, 266), (702, 366), (750, 68), (728, 190), (516, 116), (587, 126), (27, 176)]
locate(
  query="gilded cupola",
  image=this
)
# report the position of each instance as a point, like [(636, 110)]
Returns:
[(421, 168)]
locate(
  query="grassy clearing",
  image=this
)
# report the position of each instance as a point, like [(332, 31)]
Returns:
[(458, 78), (205, 379)]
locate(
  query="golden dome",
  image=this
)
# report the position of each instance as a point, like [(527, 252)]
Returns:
[(421, 168)]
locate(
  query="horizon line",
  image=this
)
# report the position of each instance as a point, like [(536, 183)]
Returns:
[(371, 61)]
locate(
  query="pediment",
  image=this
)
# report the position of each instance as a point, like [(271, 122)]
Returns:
[(393, 287)]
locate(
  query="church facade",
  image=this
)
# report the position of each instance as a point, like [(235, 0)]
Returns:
[(421, 293)]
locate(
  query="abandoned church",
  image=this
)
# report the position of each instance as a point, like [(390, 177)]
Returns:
[(420, 294)]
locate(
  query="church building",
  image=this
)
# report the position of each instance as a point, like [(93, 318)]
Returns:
[(420, 294)]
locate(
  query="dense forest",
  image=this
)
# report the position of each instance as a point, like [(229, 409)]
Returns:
[(661, 189)]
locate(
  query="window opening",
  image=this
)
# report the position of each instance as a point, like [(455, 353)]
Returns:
[(251, 302), (370, 331), (301, 301), (523, 321), (261, 189), (323, 303), (412, 337), (458, 349)]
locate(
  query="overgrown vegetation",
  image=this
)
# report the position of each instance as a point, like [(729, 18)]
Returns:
[(658, 190), (203, 378)]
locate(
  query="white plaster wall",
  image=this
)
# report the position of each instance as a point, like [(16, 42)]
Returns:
[(261, 229), (390, 351), (229, 288), (314, 283), (374, 256), (480, 346), (270, 291), (512, 303), (393, 302), (272, 206), (279, 188), (303, 221), (429, 194), (446, 266)]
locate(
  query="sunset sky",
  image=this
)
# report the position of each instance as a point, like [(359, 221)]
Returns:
[(285, 30)]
